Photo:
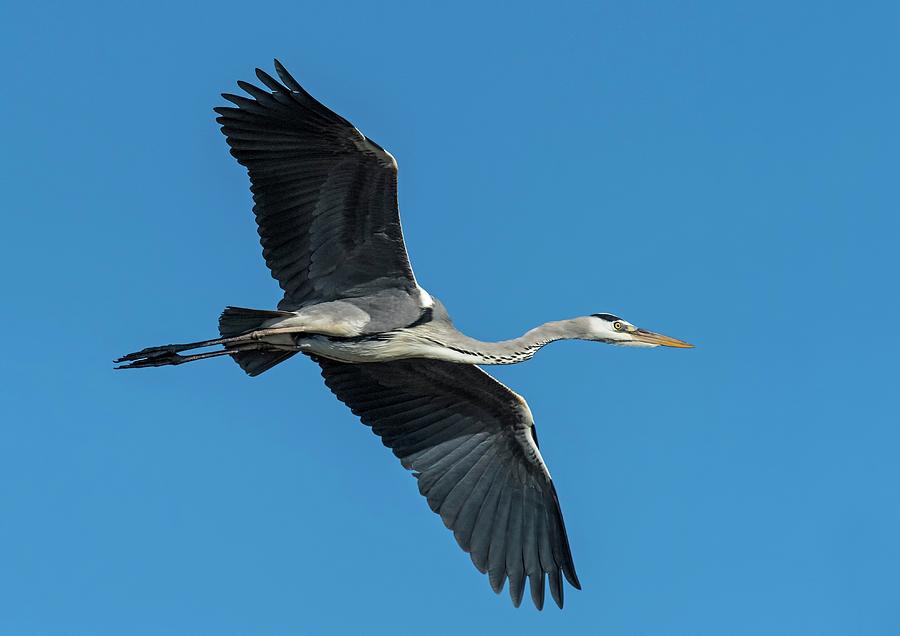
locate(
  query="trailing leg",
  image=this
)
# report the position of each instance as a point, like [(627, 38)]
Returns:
[(252, 337), (164, 357)]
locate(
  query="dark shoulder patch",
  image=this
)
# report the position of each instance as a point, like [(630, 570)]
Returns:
[(426, 316), (608, 317)]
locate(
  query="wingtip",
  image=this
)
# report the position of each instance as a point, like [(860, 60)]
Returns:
[(497, 582), (572, 576), (476, 561), (536, 583), (556, 587), (516, 592), (290, 83), (262, 76)]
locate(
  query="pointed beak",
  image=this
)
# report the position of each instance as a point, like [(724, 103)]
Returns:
[(642, 335)]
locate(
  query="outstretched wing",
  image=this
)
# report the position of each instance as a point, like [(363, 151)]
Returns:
[(325, 195), (470, 442)]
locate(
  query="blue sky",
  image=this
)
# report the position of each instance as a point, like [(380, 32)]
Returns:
[(723, 174)]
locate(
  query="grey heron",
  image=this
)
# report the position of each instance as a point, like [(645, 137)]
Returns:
[(326, 205)]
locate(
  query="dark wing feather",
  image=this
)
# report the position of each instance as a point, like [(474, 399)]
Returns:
[(325, 195), (469, 440)]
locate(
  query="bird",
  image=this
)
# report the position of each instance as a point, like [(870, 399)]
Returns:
[(325, 201)]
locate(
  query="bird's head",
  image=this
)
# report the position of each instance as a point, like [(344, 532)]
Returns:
[(614, 330)]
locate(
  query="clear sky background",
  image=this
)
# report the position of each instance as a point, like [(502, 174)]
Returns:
[(723, 174)]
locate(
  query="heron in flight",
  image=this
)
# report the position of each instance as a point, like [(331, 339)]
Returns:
[(326, 205)]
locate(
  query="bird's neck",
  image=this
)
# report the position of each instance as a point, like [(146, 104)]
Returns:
[(522, 348)]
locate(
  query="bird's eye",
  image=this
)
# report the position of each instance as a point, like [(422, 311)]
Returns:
[(617, 326)]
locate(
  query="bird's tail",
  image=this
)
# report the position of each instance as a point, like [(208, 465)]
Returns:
[(235, 321), (237, 325)]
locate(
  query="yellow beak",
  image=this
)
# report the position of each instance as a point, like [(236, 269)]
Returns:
[(649, 337)]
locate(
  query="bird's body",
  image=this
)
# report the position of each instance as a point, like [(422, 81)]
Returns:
[(346, 332), (326, 205)]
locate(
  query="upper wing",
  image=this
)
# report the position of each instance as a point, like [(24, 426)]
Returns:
[(470, 442), (325, 195)]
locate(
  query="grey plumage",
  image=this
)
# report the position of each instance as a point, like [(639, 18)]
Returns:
[(325, 200), (235, 321)]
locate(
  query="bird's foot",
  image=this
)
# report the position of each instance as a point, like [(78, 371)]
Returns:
[(151, 357), (150, 352)]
